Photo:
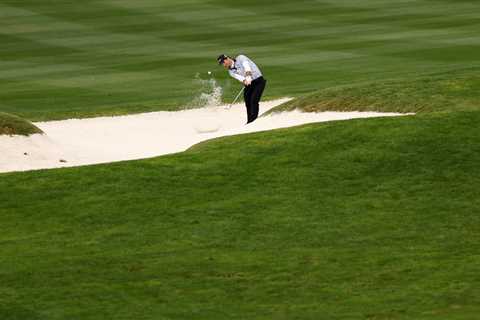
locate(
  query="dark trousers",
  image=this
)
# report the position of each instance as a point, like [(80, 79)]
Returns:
[(252, 95)]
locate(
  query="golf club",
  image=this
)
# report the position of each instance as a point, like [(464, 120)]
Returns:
[(235, 100)]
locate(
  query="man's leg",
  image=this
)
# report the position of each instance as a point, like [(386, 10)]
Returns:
[(257, 90), (247, 96)]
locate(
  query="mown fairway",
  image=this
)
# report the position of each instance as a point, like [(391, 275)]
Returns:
[(64, 58), (363, 219)]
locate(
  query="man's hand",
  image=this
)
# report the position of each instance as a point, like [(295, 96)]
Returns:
[(247, 81)]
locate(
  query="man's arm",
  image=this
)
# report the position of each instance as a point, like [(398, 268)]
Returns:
[(236, 76), (248, 73)]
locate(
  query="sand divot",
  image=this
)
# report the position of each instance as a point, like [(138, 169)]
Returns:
[(207, 124)]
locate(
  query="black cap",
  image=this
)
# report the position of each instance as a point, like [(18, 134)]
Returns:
[(221, 58)]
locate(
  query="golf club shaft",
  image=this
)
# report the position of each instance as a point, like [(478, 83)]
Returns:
[(235, 100)]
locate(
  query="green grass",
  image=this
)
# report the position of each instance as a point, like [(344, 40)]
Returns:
[(452, 91), (65, 58), (362, 219), (13, 125)]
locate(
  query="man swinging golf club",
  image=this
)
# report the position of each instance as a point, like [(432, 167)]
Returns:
[(246, 71)]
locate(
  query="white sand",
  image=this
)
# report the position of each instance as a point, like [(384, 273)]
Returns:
[(109, 139)]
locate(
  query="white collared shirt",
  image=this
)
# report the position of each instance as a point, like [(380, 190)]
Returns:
[(242, 65)]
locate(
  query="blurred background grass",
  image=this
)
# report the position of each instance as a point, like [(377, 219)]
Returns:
[(67, 58)]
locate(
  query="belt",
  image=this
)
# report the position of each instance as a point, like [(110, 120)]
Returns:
[(259, 79)]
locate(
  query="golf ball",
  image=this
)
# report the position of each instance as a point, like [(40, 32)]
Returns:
[(209, 72)]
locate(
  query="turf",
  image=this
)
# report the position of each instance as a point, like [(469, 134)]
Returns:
[(13, 125), (362, 219), (65, 58), (452, 91)]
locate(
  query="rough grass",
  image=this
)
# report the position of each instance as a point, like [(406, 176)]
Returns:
[(363, 219), (456, 90), (13, 125)]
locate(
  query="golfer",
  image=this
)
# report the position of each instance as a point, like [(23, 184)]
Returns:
[(246, 71)]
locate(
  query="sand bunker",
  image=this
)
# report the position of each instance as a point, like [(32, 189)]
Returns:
[(107, 139)]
